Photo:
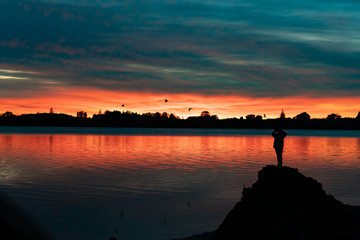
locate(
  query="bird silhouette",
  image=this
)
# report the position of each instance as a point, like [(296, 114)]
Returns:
[(166, 100), (190, 109), (123, 105)]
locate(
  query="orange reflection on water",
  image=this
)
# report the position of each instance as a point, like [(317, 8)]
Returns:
[(187, 152), (323, 151), (70, 177), (132, 151)]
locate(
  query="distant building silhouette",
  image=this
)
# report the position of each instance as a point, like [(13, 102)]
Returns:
[(282, 115)]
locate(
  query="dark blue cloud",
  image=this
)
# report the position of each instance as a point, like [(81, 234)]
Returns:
[(253, 48)]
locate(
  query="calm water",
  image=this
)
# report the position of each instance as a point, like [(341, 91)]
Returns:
[(92, 183)]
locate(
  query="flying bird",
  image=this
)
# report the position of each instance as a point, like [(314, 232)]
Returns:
[(190, 109), (166, 100), (123, 105)]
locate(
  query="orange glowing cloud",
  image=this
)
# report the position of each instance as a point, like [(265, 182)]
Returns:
[(91, 101)]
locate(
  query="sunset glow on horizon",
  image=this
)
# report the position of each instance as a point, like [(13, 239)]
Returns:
[(93, 101)]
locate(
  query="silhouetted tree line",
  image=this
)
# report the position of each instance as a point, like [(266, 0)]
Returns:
[(129, 119), (205, 120)]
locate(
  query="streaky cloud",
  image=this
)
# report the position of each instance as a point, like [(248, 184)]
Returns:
[(247, 48)]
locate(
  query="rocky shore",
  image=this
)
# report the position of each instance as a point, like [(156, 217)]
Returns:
[(284, 204)]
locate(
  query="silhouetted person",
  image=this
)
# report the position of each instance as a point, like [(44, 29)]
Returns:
[(279, 136)]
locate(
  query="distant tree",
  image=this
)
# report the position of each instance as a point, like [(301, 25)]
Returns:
[(205, 114), (282, 114), (8, 114), (333, 116), (214, 117), (173, 116), (358, 116), (164, 115), (157, 114), (258, 117), (302, 116), (250, 117), (51, 111), (81, 114)]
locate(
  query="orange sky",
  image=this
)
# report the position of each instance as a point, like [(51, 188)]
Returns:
[(91, 101)]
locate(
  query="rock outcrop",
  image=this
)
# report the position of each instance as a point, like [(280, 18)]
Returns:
[(284, 204)]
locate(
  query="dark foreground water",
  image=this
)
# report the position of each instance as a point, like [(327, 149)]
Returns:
[(155, 184)]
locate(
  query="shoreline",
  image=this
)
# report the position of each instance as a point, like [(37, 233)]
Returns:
[(166, 127), (117, 119), (162, 131)]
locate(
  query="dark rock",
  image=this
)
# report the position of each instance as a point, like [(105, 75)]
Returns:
[(16, 224), (202, 236), (284, 204)]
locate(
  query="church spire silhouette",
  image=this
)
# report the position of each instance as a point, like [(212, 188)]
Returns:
[(282, 115)]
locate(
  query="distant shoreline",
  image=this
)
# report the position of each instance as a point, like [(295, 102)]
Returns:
[(153, 131), (313, 124), (165, 120)]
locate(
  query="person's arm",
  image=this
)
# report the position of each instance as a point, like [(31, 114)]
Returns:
[(273, 134)]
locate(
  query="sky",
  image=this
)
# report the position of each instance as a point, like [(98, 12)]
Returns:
[(231, 58)]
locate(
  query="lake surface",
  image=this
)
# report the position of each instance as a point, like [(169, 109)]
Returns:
[(157, 184)]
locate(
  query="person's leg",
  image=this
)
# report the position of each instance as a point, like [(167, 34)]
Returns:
[(279, 156)]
